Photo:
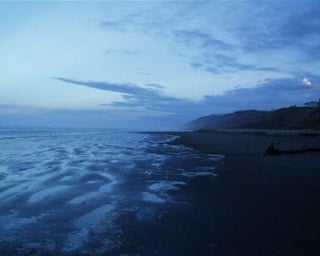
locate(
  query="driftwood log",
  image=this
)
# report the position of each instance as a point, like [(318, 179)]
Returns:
[(271, 150)]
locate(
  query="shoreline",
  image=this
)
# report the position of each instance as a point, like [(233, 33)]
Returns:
[(262, 132), (255, 206), (265, 132), (260, 205), (238, 143)]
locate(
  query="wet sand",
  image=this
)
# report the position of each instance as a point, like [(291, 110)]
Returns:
[(259, 206)]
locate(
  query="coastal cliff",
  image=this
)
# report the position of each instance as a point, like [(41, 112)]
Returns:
[(284, 118)]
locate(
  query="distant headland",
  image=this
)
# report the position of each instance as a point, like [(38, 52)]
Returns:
[(290, 118)]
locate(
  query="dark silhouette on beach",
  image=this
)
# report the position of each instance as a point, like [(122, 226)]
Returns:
[(271, 150)]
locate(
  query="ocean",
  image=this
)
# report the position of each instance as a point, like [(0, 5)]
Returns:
[(65, 191)]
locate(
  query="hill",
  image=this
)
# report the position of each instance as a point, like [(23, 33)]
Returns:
[(285, 118)]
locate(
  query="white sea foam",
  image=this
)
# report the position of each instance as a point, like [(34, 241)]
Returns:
[(166, 185), (149, 197), (107, 188), (215, 157), (44, 194), (12, 221), (95, 216), (88, 196), (205, 168), (84, 170), (195, 174), (15, 190), (66, 178), (76, 240), (83, 198)]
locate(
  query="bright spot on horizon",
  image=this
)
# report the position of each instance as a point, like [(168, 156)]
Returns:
[(306, 81)]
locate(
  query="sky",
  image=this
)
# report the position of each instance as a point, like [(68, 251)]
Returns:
[(154, 64)]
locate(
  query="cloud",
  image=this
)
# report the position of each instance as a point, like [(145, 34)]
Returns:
[(150, 110), (304, 24), (118, 25), (280, 36), (278, 29), (201, 39), (13, 115), (273, 93), (142, 72), (150, 98), (279, 26), (146, 17), (156, 86), (113, 87), (222, 63), (122, 52)]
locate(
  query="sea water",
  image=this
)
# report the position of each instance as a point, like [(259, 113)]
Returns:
[(62, 190)]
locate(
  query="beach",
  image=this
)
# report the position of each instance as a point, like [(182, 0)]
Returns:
[(92, 192), (258, 205)]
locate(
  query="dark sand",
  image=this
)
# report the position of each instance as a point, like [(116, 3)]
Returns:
[(259, 206)]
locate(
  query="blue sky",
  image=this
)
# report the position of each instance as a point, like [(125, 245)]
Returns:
[(154, 65)]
